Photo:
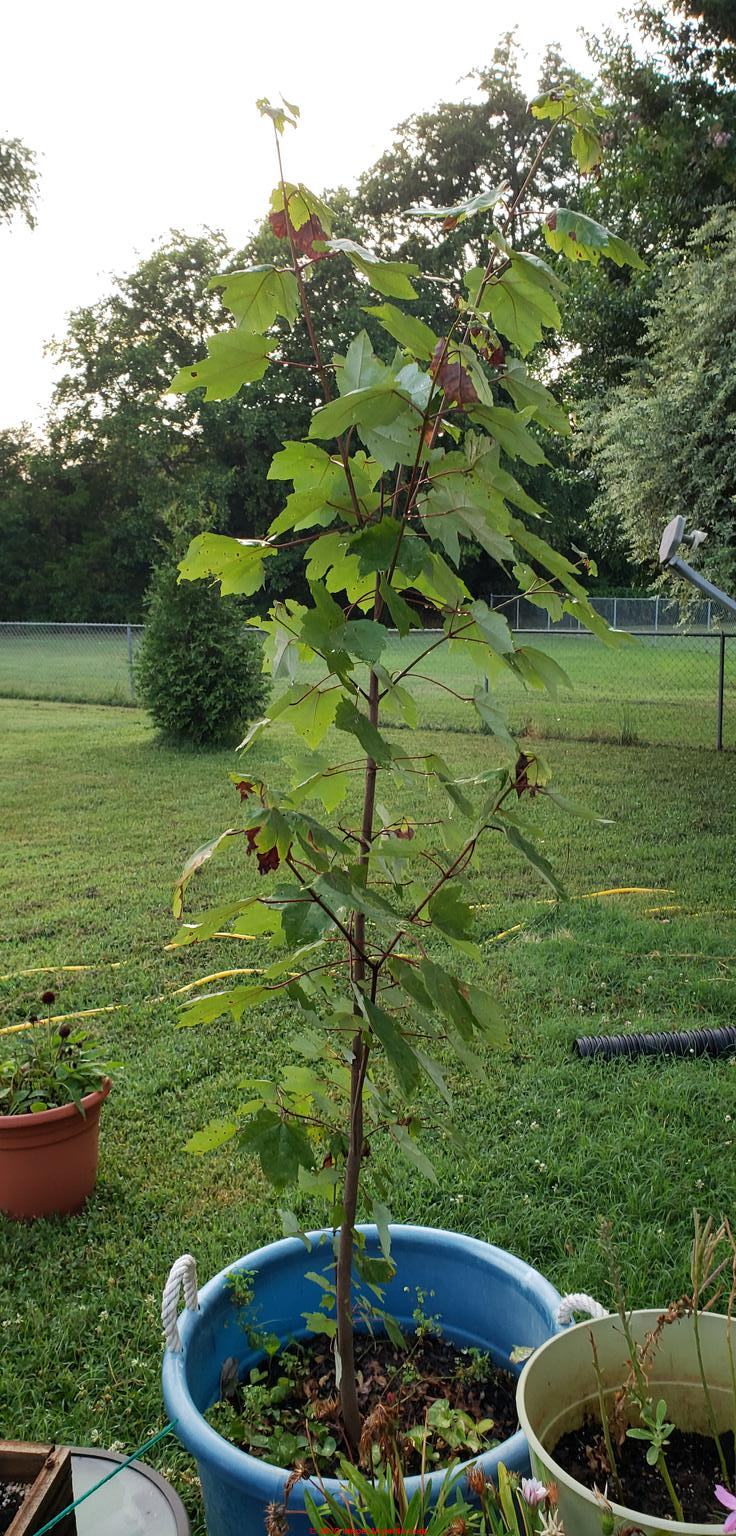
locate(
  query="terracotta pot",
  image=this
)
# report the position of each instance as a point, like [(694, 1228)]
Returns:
[(48, 1161)]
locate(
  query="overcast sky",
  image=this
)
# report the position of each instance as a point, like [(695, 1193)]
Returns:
[(142, 114)]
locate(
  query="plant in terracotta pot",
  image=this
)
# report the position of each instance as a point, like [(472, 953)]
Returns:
[(642, 1404), (408, 463), (51, 1092)]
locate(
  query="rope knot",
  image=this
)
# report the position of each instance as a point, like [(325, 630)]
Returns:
[(182, 1277)]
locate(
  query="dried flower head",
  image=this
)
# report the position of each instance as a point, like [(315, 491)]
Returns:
[(276, 1520), (64, 1031), (379, 1429), (297, 1475), (48, 998), (476, 1481)]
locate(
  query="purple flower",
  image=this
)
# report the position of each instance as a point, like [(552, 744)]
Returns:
[(728, 1500), (533, 1493)]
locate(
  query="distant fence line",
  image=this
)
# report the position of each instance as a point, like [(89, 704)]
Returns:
[(661, 615), (678, 685)]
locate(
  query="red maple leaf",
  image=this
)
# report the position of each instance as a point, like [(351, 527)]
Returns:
[(522, 783), (405, 832), (452, 377), (302, 238), (268, 861), (245, 787)]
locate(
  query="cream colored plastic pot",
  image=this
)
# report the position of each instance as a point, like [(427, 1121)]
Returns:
[(557, 1391)]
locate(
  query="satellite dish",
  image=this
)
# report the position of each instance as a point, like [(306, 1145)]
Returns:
[(671, 540)]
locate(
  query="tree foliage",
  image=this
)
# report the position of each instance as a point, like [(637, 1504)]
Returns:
[(666, 441), (407, 459), (18, 182), (90, 496)]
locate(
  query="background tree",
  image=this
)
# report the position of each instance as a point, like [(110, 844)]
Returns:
[(666, 442), (670, 156), (116, 452), (198, 670), (18, 182)]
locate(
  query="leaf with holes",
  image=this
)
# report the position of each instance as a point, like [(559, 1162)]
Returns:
[(582, 239), (217, 1134), (233, 358)]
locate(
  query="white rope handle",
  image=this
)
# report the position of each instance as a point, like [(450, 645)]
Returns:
[(182, 1276), (577, 1301)]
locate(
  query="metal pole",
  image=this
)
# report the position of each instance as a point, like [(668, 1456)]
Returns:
[(706, 587), (130, 662), (615, 613), (719, 705), (709, 615), (518, 600), (656, 613)]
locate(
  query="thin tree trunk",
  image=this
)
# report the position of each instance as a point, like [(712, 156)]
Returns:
[(345, 1342)]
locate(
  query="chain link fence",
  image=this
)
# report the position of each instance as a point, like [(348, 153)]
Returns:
[(72, 663), (670, 684)]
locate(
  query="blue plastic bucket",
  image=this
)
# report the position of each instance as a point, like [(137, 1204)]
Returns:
[(484, 1297)]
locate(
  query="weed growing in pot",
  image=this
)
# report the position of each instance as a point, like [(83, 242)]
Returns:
[(409, 458)]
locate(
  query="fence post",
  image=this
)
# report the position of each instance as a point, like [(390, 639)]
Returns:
[(518, 600), (656, 614), (130, 662), (615, 613), (709, 614), (721, 675)]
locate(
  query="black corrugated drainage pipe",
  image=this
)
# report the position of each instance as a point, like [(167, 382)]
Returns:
[(664, 1042)]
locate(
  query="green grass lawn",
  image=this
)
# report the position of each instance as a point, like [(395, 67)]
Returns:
[(98, 818), (660, 689)]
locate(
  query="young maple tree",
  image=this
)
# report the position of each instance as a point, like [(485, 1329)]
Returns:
[(403, 462)]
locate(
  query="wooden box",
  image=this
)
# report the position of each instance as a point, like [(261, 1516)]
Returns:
[(46, 1470)]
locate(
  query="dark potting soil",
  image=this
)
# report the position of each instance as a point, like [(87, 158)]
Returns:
[(11, 1499), (692, 1462), (407, 1381)]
